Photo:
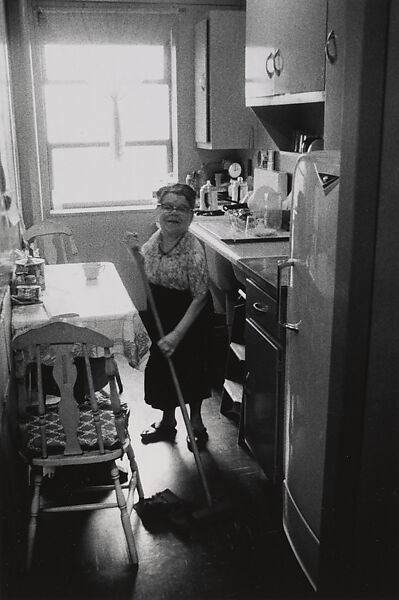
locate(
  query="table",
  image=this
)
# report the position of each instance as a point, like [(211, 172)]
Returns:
[(102, 304)]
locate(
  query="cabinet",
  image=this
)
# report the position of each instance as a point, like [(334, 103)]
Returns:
[(222, 120), (284, 56), (264, 381), (335, 55)]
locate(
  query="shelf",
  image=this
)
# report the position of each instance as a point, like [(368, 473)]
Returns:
[(238, 349), (234, 390), (284, 99)]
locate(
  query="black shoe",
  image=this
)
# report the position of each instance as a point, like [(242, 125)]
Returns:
[(201, 437), (158, 433)]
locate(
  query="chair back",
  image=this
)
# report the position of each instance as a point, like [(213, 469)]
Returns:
[(66, 429), (54, 240)]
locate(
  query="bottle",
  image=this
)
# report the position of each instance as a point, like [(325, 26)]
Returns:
[(239, 190), (190, 180), (270, 160), (242, 190), (273, 210), (208, 197), (201, 175)]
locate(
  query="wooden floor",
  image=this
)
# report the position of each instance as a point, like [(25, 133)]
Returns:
[(244, 556)]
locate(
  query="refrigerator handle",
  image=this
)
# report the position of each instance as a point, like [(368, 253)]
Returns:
[(284, 264)]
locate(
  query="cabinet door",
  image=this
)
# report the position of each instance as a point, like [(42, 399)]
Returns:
[(261, 41), (285, 47), (300, 51), (201, 82), (335, 53), (262, 411), (221, 118)]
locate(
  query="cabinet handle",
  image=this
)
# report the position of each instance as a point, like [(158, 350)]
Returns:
[(202, 82), (263, 308), (270, 61), (278, 62), (284, 264), (331, 49)]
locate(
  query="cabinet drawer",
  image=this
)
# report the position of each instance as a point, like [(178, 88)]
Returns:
[(261, 308)]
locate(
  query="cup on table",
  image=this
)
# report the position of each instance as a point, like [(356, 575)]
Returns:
[(92, 270)]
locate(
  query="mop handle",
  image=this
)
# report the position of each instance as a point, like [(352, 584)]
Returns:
[(139, 261)]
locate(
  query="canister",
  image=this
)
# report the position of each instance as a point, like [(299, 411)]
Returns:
[(208, 197)]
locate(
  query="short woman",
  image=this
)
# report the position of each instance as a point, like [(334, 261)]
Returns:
[(175, 265)]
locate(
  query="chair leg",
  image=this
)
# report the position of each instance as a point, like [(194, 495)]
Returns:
[(134, 468), (118, 380), (125, 517), (37, 478)]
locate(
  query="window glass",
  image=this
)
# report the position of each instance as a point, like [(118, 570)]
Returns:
[(145, 113), (107, 122), (90, 176), (77, 113)]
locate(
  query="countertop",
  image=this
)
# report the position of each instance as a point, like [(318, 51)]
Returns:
[(235, 252)]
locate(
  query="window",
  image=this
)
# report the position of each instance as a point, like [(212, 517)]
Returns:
[(106, 96)]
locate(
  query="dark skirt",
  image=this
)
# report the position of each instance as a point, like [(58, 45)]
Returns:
[(191, 358)]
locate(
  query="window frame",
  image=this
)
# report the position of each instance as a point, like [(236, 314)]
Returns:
[(44, 147)]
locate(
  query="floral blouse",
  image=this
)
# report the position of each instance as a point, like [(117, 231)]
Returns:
[(182, 268)]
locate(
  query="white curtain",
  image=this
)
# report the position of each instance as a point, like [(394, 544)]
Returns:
[(98, 22), (92, 23)]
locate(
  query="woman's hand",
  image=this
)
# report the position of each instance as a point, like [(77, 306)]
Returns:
[(169, 343), (130, 239)]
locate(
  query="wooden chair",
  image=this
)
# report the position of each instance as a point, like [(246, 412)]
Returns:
[(70, 433), (54, 239)]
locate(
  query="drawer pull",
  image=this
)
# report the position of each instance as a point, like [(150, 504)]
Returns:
[(263, 308)]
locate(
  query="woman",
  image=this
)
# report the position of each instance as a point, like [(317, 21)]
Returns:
[(175, 265)]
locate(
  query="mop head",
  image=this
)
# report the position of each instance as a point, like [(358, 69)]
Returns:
[(166, 511), (157, 512)]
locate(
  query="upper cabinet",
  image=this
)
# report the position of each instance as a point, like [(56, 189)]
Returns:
[(222, 120), (285, 51), (335, 53)]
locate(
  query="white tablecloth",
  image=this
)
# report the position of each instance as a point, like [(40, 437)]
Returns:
[(103, 305)]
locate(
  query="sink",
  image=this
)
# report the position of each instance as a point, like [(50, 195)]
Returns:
[(239, 274), (220, 271)]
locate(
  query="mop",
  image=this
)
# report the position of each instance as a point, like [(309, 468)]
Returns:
[(166, 504)]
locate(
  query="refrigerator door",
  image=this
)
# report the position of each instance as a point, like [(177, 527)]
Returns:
[(310, 300)]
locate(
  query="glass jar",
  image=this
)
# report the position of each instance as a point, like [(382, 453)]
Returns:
[(273, 210)]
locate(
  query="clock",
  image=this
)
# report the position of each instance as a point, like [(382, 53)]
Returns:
[(235, 170)]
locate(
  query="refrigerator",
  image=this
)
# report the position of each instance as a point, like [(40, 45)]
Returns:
[(310, 276)]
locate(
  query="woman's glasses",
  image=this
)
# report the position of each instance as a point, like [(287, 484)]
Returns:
[(169, 208)]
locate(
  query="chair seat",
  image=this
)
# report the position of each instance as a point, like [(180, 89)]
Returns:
[(86, 431)]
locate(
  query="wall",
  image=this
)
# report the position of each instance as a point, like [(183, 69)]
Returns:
[(97, 233)]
